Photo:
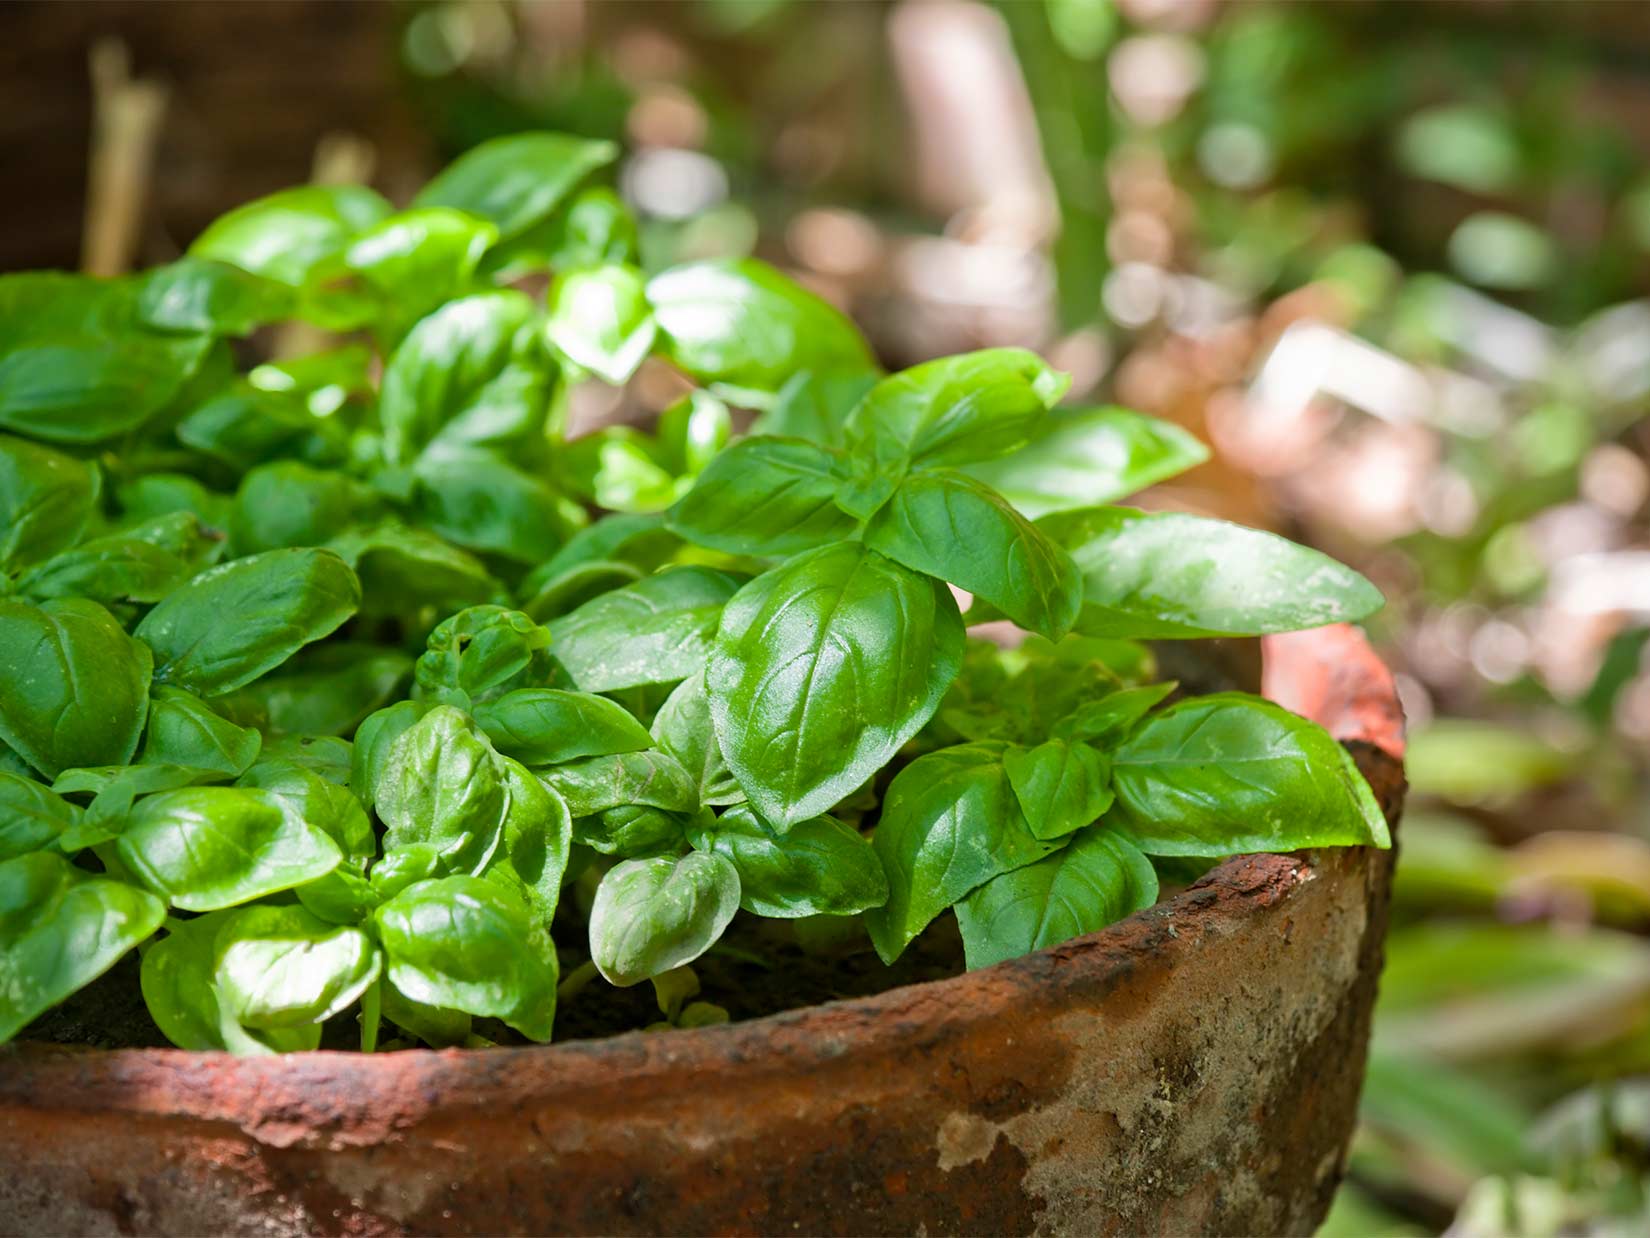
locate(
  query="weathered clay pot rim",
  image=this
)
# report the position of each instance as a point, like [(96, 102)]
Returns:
[(1329, 674)]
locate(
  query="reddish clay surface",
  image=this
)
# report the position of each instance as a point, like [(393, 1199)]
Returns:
[(1193, 1069)]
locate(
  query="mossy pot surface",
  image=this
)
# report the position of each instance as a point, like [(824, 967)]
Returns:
[(1192, 1069)]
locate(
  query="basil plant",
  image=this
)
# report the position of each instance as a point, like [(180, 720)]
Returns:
[(344, 687)]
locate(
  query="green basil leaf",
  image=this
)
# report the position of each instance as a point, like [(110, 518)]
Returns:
[(403, 569), (594, 227), (113, 788), (1230, 773), (480, 654), (1062, 786), (375, 740), (241, 427), (620, 536), (950, 822), (236, 621), (823, 667), (652, 915), (287, 503), (76, 365), (547, 726), (31, 816), (184, 731), (141, 564), (212, 298), (692, 432), (538, 836), (307, 797), (436, 1026), (650, 778), (475, 372), (947, 525), (60, 929), (1086, 456), (168, 494), (1099, 879), (46, 498), (326, 755), (564, 594), (468, 944), (322, 382), (956, 410), (76, 686), (342, 896), (516, 181), (284, 967), (441, 786), (1114, 716), (819, 867), (296, 237), (1168, 576), (414, 260), (474, 499), (619, 468), (765, 496), (741, 325), (326, 690), (815, 407), (176, 981), (203, 848), (682, 727), (657, 630), (599, 319)]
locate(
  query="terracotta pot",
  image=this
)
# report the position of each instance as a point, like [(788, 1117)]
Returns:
[(1193, 1069)]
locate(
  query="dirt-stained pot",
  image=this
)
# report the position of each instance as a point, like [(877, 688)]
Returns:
[(1193, 1069)]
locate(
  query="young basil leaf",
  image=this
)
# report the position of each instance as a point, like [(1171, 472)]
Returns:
[(950, 526), (1062, 786), (297, 236), (474, 372), (538, 835), (577, 585), (475, 500), (815, 407), (480, 654), (113, 789), (326, 690), (1082, 457), (241, 427), (691, 432), (819, 867), (620, 469), (657, 630), (595, 784), (326, 755), (950, 823), (404, 866), (442, 787), (436, 1026), (822, 668), (31, 816), (469, 944), (402, 569), (414, 260), (211, 298), (342, 896), (184, 731), (632, 831), (46, 499), (306, 797), (1168, 576), (287, 503), (203, 848), (547, 726), (284, 967), (142, 564), (76, 686), (236, 621), (765, 496), (516, 181), (76, 365), (742, 326), (1113, 717), (682, 727), (1099, 879), (594, 227), (599, 319), (166, 494), (956, 410), (652, 915), (1230, 773), (60, 929), (375, 740)]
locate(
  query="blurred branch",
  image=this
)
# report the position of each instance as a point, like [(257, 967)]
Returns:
[(126, 124)]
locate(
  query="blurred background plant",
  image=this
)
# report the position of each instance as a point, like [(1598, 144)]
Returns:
[(1388, 260)]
